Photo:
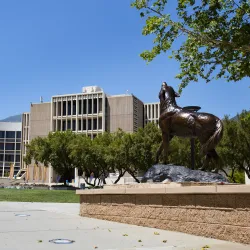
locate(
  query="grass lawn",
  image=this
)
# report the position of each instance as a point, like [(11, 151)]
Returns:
[(32, 195)]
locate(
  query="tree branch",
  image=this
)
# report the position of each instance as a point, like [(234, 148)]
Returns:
[(206, 39)]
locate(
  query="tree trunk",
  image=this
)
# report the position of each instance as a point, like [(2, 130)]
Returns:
[(119, 177), (133, 175), (90, 184)]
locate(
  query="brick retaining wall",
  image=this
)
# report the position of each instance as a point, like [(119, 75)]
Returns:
[(218, 212)]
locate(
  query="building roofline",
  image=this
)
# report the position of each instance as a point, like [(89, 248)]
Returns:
[(91, 93), (36, 103)]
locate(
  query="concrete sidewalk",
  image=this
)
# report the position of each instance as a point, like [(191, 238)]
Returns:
[(61, 221)]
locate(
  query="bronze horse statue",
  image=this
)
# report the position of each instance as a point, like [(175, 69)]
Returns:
[(176, 121)]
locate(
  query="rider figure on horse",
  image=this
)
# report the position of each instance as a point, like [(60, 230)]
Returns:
[(163, 98)]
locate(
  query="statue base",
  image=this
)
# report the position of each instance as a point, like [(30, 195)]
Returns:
[(173, 173)]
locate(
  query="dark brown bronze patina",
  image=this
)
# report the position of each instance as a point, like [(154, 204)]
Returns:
[(186, 122)]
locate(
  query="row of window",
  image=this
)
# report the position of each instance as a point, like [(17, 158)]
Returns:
[(9, 158), (152, 111), (10, 146), (10, 134), (84, 107), (83, 125), (6, 172)]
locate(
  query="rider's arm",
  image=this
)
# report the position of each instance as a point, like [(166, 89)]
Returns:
[(176, 94)]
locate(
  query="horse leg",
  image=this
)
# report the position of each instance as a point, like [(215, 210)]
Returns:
[(211, 157), (203, 139), (158, 153), (215, 159), (205, 163), (165, 139)]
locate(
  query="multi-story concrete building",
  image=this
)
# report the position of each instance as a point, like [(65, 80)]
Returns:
[(91, 112), (10, 147), (83, 113)]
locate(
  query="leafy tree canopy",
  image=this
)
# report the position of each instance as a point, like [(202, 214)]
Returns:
[(216, 37), (54, 149)]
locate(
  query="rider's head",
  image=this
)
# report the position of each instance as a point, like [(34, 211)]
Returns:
[(164, 85)]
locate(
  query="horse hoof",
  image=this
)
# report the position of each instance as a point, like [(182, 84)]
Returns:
[(202, 169), (215, 171)]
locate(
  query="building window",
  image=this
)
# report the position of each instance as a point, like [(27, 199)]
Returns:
[(79, 125), (94, 124), (2, 134), (10, 134), (54, 125), (59, 108), (74, 125), (74, 107), (99, 123), (64, 125), (68, 124), (64, 108), (59, 125), (54, 108), (100, 104), (84, 107), (89, 124), (80, 107), (17, 158), (18, 146), (1, 157), (89, 106), (1, 146), (18, 134), (10, 146), (95, 106), (69, 107), (9, 158), (84, 126)]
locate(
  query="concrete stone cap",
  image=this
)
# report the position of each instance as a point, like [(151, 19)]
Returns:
[(171, 189)]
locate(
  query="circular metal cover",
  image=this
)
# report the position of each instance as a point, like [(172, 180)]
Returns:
[(62, 241), (22, 215)]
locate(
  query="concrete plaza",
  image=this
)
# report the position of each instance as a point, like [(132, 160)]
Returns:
[(47, 221)]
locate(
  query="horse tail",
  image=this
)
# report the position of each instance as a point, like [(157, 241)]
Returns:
[(215, 138)]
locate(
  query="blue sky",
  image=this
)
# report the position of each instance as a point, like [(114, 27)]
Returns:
[(57, 47)]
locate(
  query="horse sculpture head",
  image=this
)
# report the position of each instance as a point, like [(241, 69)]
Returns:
[(167, 95)]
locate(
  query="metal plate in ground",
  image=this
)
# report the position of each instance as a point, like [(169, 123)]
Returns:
[(62, 241), (22, 215)]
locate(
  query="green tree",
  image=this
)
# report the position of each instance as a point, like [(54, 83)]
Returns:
[(91, 157), (100, 151), (82, 154), (118, 153), (211, 37), (55, 150), (145, 143), (235, 146)]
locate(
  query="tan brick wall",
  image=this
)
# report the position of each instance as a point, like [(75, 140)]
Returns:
[(40, 120), (220, 216), (120, 113)]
